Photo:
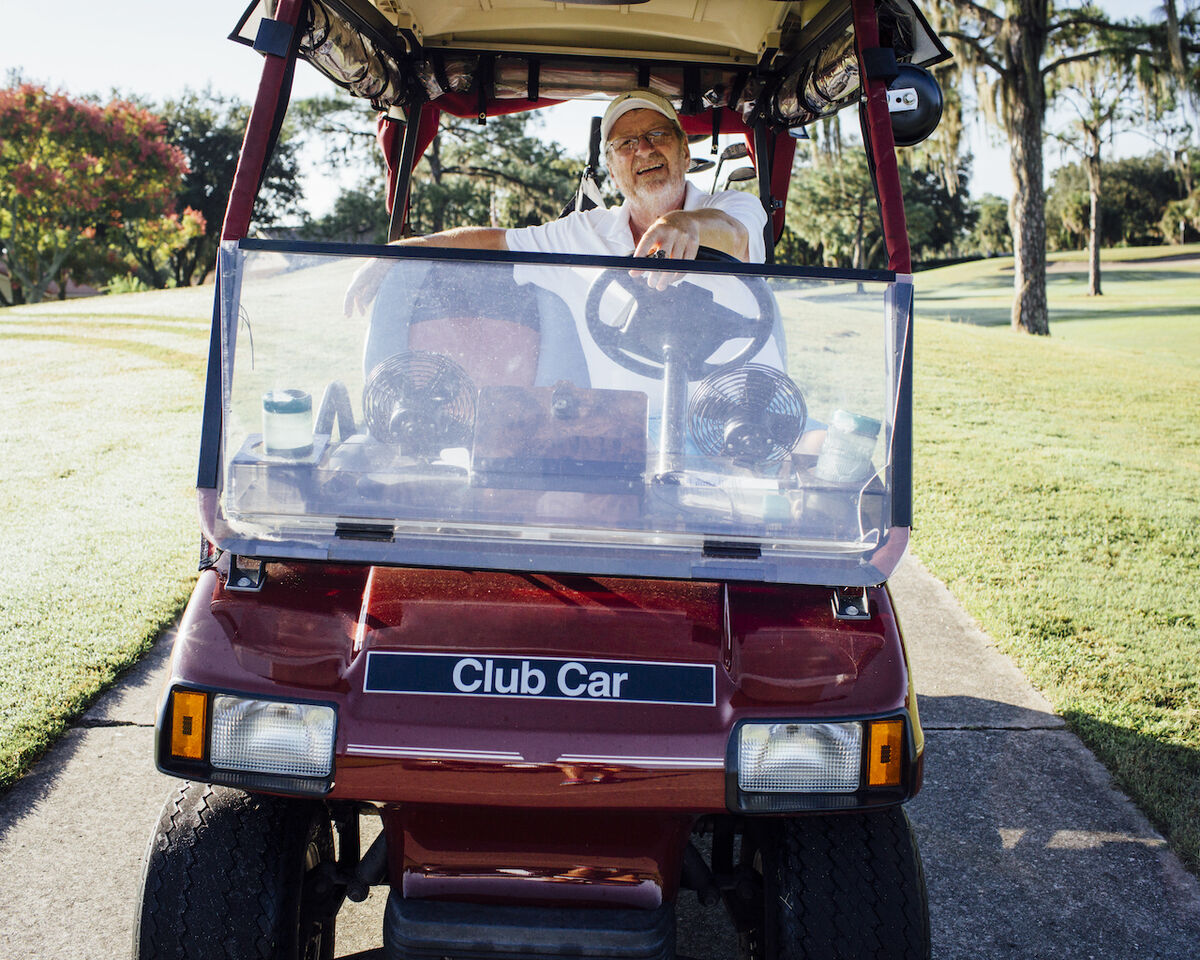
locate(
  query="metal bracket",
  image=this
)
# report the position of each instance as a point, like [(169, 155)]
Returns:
[(903, 100), (248, 578), (274, 37), (850, 603)]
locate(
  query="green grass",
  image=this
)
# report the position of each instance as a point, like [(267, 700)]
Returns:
[(1058, 495), (98, 536)]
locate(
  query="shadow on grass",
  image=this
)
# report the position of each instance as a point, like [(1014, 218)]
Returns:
[(1117, 275), (114, 320), (1002, 316), (191, 362), (1162, 778), (954, 290), (974, 316)]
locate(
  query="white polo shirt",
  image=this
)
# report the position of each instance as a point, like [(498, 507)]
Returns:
[(600, 232), (606, 233)]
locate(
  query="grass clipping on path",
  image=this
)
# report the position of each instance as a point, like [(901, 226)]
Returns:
[(1058, 496), (99, 419)]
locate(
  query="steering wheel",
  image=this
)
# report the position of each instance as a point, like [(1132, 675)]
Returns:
[(684, 320)]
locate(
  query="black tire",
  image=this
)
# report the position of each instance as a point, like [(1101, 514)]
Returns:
[(841, 887), (230, 876)]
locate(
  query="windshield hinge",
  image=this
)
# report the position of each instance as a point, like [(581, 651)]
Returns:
[(382, 532), (732, 550), (245, 575), (850, 603)]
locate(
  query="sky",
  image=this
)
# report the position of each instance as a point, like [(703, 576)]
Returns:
[(152, 50)]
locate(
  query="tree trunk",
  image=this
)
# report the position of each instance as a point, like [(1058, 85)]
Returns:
[(1024, 111), (858, 233), (433, 156), (1092, 166)]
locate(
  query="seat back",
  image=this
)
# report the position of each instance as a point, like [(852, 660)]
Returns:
[(501, 333)]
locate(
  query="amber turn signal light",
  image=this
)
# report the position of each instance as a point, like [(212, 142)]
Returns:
[(885, 754), (188, 711)]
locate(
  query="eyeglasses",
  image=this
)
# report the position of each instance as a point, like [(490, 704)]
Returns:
[(653, 138)]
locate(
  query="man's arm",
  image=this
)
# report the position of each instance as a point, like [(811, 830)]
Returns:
[(462, 238), (367, 280), (680, 233)]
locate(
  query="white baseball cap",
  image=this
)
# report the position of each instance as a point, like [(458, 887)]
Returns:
[(636, 100)]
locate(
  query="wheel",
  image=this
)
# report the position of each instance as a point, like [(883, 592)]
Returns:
[(841, 887), (230, 876), (684, 320)]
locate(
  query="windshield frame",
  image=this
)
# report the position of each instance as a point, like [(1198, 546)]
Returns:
[(718, 560), (401, 252)]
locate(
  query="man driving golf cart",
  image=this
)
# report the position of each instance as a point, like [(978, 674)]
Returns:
[(663, 216)]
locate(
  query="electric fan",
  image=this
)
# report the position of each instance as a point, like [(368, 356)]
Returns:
[(752, 414), (422, 402)]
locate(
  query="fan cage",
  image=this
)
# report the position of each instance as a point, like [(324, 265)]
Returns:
[(752, 391), (430, 385)]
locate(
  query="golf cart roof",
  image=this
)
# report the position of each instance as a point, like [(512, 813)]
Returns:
[(663, 29), (754, 56)]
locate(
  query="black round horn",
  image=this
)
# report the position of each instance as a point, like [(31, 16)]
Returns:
[(915, 103)]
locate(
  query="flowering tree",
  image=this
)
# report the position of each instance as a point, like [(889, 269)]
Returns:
[(74, 171), (152, 246)]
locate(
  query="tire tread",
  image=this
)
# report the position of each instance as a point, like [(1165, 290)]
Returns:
[(217, 872), (847, 887)]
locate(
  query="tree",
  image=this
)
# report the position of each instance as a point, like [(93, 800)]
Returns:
[(833, 216), (152, 248), (991, 234), (208, 129), (359, 215), (943, 213), (1137, 192), (1181, 216), (1097, 92), (72, 171), (834, 211), (1006, 54), (343, 127), (501, 176)]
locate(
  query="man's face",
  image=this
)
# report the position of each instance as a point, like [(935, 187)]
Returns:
[(650, 170)]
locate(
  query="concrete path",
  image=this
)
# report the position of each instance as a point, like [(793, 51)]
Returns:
[(1029, 851)]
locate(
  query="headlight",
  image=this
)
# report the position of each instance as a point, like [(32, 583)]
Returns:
[(266, 736), (799, 757)]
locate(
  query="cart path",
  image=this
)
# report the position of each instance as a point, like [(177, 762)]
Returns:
[(1029, 850)]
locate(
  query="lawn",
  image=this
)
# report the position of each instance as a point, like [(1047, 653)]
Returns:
[(1058, 495), (98, 536)]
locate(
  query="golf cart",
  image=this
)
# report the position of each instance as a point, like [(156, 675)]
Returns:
[(567, 590)]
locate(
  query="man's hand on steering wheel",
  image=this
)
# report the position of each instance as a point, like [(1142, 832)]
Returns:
[(673, 237), (679, 235)]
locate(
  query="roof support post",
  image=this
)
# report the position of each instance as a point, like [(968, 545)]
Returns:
[(274, 88), (408, 154), (763, 156), (880, 143)]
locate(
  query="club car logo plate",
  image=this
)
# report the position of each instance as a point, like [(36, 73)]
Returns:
[(535, 678)]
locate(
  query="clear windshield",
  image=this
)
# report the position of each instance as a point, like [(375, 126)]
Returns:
[(519, 414)]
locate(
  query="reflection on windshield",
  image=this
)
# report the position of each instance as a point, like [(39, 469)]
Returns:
[(555, 403)]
